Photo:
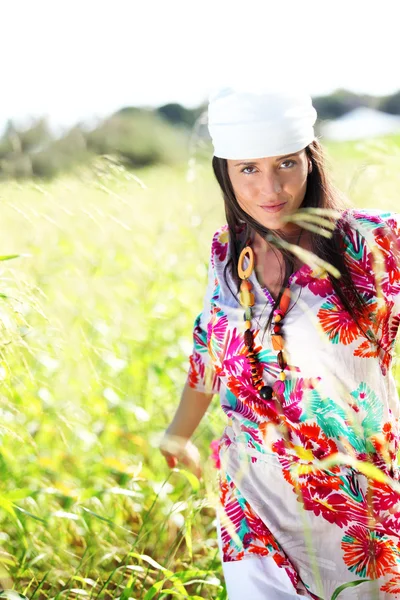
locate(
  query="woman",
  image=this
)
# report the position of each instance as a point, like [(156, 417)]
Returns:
[(296, 333)]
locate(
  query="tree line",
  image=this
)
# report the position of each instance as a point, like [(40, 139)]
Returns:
[(137, 137)]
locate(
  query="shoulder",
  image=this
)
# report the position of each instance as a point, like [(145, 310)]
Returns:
[(370, 219), (221, 235), (373, 245), (373, 224), (220, 245)]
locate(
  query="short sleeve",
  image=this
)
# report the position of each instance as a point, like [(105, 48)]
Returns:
[(392, 254), (201, 374), (381, 228), (391, 248)]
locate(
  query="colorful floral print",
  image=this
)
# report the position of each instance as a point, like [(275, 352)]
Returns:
[(316, 281), (368, 553), (339, 399)]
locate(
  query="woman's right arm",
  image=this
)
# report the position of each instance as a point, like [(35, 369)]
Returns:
[(201, 385), (191, 409), (176, 445)]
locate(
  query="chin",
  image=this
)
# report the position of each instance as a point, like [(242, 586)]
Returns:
[(271, 222)]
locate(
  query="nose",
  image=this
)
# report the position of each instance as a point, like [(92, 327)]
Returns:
[(271, 186)]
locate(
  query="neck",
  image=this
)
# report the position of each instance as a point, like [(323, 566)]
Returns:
[(291, 236)]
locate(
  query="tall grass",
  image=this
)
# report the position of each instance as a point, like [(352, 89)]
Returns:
[(96, 315)]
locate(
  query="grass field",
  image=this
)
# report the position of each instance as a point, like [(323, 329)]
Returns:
[(96, 319)]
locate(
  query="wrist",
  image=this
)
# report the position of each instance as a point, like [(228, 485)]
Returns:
[(172, 443), (179, 446)]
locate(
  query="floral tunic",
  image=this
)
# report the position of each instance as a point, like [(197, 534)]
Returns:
[(334, 525)]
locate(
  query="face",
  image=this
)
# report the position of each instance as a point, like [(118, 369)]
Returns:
[(269, 188)]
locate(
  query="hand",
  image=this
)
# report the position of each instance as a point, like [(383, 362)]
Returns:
[(177, 449)]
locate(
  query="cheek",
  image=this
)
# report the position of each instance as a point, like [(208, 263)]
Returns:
[(246, 190), (298, 183)]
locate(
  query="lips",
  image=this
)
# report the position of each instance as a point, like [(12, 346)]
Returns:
[(272, 207)]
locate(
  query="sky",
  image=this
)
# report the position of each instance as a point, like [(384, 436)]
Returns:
[(80, 60)]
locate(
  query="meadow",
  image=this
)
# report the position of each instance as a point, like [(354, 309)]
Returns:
[(102, 275)]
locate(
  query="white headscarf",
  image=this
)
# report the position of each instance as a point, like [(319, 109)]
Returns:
[(256, 123)]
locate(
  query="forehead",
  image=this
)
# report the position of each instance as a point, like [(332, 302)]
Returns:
[(260, 161)]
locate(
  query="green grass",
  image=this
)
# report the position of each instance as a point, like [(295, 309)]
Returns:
[(96, 330)]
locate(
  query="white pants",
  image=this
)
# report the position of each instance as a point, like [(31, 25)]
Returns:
[(257, 578)]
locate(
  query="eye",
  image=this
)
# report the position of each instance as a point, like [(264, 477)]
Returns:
[(243, 170), (288, 161), (291, 164)]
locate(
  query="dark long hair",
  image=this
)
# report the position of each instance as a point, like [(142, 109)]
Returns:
[(320, 193)]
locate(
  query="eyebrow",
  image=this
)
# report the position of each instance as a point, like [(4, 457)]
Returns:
[(255, 162)]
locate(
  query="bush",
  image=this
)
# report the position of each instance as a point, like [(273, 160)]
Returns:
[(61, 155), (140, 138)]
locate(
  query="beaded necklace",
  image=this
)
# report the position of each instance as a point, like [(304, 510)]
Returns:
[(247, 300)]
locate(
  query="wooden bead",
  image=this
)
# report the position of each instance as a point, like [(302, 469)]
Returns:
[(281, 360), (282, 376), (248, 338), (246, 285), (279, 387), (277, 342), (246, 298), (247, 315), (245, 273), (266, 392), (285, 300), (277, 328), (247, 324)]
